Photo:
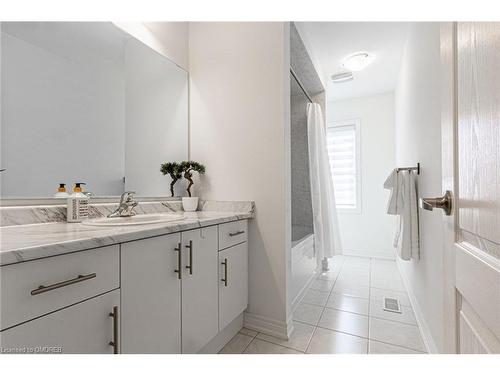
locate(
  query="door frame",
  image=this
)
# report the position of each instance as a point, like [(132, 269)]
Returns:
[(449, 147)]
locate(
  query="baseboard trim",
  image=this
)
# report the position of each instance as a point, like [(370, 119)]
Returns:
[(425, 331), (272, 327), (370, 254)]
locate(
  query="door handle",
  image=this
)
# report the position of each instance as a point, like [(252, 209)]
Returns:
[(42, 289), (179, 261), (444, 202), (224, 280), (190, 266), (237, 233), (114, 343)]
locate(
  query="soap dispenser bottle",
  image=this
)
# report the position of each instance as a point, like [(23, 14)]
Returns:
[(78, 205), (61, 191)]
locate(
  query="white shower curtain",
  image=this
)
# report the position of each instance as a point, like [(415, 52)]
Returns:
[(326, 229)]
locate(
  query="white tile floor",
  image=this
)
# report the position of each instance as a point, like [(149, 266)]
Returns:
[(342, 313)]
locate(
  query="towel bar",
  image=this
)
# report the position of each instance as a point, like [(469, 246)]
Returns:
[(417, 168)]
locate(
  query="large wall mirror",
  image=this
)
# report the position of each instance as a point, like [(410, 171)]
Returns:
[(87, 102)]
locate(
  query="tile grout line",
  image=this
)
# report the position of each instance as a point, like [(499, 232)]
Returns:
[(247, 334), (270, 342), (246, 347), (399, 346), (238, 333), (324, 308), (395, 321), (331, 290), (335, 282), (347, 311), (309, 343), (344, 333)]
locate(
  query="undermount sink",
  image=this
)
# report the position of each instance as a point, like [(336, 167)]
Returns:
[(133, 220)]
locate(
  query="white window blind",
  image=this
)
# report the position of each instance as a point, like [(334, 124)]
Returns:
[(343, 153)]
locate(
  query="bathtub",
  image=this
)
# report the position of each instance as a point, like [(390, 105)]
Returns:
[(304, 265)]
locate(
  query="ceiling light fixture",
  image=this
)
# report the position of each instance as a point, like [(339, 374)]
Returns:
[(342, 77), (357, 61)]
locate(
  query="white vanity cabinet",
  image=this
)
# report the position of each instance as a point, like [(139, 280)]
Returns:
[(172, 293), (151, 295), (200, 292)]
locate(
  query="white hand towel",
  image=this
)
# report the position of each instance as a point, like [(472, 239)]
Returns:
[(403, 203), (395, 203)]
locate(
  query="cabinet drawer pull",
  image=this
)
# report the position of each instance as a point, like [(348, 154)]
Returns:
[(225, 272), (42, 289), (237, 233), (115, 341), (190, 266), (179, 261)]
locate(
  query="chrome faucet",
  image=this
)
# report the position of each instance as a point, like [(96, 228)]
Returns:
[(126, 206)]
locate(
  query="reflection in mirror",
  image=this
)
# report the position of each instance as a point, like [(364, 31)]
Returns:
[(86, 102)]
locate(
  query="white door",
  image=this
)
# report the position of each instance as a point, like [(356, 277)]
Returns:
[(83, 328), (151, 295), (200, 293), (471, 169), (233, 283)]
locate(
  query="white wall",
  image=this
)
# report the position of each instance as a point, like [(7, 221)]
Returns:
[(168, 38), (240, 129), (358, 233), (418, 139)]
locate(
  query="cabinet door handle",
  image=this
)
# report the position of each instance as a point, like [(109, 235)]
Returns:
[(179, 261), (190, 266), (115, 341), (42, 289), (237, 233), (225, 272)]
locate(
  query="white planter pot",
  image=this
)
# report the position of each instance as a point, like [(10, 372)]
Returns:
[(190, 204)]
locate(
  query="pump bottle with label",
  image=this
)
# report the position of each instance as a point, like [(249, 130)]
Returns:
[(78, 205)]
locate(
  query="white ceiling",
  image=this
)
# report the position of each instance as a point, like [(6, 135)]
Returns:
[(329, 42)]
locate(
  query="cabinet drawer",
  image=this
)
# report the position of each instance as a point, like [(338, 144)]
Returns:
[(67, 279), (232, 233)]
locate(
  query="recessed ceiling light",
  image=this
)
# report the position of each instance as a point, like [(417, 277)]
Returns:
[(342, 77), (357, 61)]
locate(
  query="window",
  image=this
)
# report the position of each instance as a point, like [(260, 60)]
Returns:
[(343, 150)]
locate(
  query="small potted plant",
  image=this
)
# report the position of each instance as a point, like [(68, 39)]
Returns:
[(190, 203), (173, 169)]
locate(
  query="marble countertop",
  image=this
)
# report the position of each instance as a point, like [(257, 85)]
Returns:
[(19, 243)]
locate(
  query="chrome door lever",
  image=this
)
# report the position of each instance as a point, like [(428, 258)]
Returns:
[(444, 202)]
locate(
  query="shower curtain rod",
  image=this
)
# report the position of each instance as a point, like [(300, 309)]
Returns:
[(300, 84)]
